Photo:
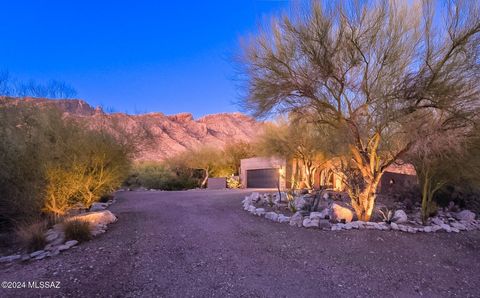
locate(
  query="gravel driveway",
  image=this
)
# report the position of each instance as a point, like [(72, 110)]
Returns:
[(202, 244)]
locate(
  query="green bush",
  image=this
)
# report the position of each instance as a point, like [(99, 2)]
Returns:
[(76, 229), (159, 176), (49, 163)]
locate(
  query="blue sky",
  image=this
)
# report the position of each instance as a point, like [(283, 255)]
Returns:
[(133, 56)]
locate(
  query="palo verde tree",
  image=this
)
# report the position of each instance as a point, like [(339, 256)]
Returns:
[(367, 68), (298, 140), (444, 158)]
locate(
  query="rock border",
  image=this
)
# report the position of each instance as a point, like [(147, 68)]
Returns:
[(56, 239), (316, 220)]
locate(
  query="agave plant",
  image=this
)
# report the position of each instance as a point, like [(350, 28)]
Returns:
[(387, 215)]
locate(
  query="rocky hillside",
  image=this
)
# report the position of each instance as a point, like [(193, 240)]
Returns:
[(159, 136)]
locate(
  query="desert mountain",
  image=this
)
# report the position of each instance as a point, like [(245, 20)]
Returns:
[(163, 135)]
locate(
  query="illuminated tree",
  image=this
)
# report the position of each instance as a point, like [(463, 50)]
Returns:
[(367, 68)]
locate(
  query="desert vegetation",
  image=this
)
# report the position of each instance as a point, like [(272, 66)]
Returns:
[(50, 165), (192, 168), (382, 77)]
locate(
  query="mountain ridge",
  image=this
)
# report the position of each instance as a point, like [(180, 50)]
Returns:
[(168, 135)]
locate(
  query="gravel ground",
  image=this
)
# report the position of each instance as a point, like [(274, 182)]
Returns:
[(202, 244)]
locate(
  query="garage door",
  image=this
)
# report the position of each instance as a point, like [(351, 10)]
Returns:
[(262, 178)]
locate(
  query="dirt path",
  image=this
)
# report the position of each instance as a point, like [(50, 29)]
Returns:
[(202, 244)]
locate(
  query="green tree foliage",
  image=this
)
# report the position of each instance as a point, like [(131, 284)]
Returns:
[(48, 163), (299, 140), (367, 68)]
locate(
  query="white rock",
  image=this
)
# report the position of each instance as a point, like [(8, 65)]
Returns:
[(394, 226), (399, 217), (310, 223), (51, 236), (252, 209), (10, 258), (271, 215), (455, 230), (428, 229), (337, 227), (341, 213), (42, 255), (458, 226), (36, 253), (316, 215), (260, 211), (437, 221), (255, 196), (300, 202), (465, 215), (446, 227), (282, 218), (354, 224), (71, 243), (296, 220), (348, 226), (436, 228), (104, 217), (62, 247)]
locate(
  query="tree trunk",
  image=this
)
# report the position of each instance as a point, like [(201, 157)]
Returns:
[(204, 182), (309, 172), (364, 201), (428, 192)]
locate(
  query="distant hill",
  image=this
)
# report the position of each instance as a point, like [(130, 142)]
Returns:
[(164, 135)]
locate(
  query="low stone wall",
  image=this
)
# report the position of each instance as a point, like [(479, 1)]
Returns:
[(461, 221)]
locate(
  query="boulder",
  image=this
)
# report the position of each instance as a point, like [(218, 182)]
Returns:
[(252, 209), (255, 197), (399, 217), (340, 213), (465, 215), (300, 202), (71, 243), (394, 226), (437, 221), (98, 207), (458, 226), (428, 229), (310, 223), (282, 218), (260, 211), (271, 215), (104, 217), (446, 227), (296, 220)]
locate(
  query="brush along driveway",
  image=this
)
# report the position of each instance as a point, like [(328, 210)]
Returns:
[(201, 243)]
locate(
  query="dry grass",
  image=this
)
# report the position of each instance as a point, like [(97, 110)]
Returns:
[(77, 230), (32, 236)]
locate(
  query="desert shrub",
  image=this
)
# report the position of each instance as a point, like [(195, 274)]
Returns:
[(76, 229), (233, 182), (22, 153), (49, 164), (159, 176), (87, 165), (32, 235)]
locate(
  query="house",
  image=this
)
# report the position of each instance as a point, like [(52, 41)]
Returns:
[(274, 172)]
